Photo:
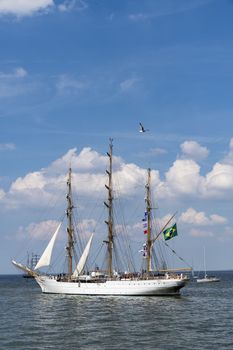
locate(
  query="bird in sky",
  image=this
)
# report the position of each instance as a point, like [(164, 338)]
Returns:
[(142, 129)]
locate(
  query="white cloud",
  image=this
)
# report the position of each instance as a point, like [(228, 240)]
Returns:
[(229, 157), (192, 217), (14, 84), (139, 17), (153, 152), (43, 187), (7, 147), (31, 181), (86, 227), (2, 194), (69, 5), (87, 160), (13, 90), (21, 8), (219, 181), (41, 230), (157, 151), (128, 84), (201, 233), (18, 72), (130, 176), (194, 150), (45, 229), (167, 8), (183, 178), (68, 85), (228, 231)]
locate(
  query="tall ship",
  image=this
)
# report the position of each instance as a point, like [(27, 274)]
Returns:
[(32, 260), (78, 281)]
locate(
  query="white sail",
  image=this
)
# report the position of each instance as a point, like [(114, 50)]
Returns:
[(46, 256), (82, 261)]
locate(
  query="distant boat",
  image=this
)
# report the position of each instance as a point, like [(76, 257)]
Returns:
[(108, 281), (206, 278), (32, 260)]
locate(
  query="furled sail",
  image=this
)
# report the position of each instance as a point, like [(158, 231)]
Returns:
[(82, 261), (46, 256), (24, 268)]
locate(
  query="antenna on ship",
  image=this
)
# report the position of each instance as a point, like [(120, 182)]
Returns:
[(108, 204)]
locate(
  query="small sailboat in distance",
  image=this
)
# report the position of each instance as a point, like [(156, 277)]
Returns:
[(206, 278), (32, 261)]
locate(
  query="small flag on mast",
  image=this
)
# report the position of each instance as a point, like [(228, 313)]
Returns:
[(144, 250), (145, 223)]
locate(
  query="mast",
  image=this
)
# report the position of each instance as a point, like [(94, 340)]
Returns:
[(108, 204), (70, 229), (205, 264), (148, 211)]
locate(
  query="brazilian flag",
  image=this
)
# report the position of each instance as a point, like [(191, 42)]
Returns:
[(170, 232)]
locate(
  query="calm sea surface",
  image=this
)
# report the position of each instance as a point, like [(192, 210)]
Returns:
[(201, 318)]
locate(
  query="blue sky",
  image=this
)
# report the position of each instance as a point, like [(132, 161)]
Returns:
[(74, 73)]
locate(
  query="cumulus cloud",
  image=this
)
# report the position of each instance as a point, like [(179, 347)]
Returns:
[(42, 187), (21, 8), (183, 178), (45, 229), (192, 217), (31, 181), (219, 181), (46, 188), (87, 160), (194, 150), (41, 230)]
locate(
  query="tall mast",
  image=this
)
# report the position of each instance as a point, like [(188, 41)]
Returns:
[(148, 210), (70, 229), (108, 204)]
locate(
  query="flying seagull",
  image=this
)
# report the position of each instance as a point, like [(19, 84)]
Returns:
[(142, 129)]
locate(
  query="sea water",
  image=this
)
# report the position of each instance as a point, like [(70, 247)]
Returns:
[(200, 318)]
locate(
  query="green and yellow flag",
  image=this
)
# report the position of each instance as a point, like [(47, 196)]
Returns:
[(170, 232)]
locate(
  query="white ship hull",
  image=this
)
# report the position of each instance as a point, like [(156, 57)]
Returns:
[(208, 279), (135, 287)]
